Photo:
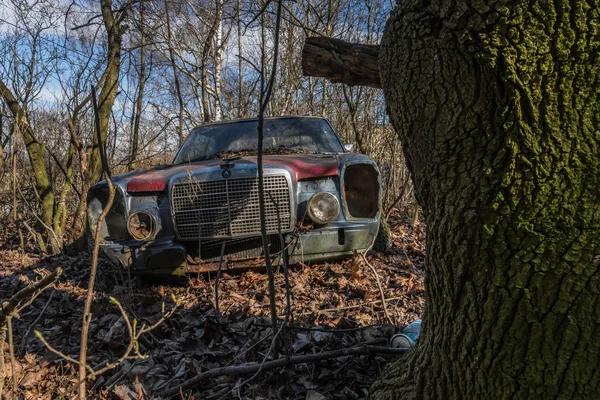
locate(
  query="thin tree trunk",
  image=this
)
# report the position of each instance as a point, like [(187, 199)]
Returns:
[(218, 113), (60, 215), (1, 142), (212, 32), (15, 214), (36, 152), (140, 97), (241, 110), (499, 115), (175, 74)]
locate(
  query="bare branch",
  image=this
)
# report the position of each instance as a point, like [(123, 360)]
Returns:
[(9, 306)]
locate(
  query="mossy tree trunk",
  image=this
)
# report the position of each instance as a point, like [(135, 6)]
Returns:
[(36, 152), (106, 99), (498, 106)]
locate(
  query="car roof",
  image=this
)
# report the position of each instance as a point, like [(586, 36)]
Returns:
[(233, 121)]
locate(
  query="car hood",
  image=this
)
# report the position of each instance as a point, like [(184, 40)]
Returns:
[(303, 166)]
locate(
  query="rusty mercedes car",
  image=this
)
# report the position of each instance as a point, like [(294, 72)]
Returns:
[(203, 209)]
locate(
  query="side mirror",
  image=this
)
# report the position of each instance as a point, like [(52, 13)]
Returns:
[(349, 147)]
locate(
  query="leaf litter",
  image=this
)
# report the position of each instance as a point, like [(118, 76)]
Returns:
[(333, 306)]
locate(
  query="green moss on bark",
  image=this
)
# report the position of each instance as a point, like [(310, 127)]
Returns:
[(498, 108)]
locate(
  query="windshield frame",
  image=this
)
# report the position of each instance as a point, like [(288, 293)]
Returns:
[(336, 135)]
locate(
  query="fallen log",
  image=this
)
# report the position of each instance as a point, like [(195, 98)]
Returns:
[(246, 369), (341, 62)]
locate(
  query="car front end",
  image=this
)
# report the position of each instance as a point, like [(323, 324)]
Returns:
[(196, 216)]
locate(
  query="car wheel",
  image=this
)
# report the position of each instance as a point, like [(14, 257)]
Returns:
[(383, 241)]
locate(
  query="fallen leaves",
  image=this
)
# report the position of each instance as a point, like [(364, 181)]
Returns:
[(333, 305)]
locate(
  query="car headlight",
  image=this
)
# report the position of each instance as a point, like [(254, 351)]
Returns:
[(323, 208), (141, 225)]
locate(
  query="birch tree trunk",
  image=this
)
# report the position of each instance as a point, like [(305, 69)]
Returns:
[(219, 47), (498, 108)]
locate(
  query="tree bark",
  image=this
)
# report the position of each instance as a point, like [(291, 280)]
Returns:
[(139, 102), (341, 62), (218, 59), (499, 113), (241, 111), (109, 88), (175, 74), (36, 152)]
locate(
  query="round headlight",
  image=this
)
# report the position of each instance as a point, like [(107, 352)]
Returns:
[(323, 208), (141, 225)]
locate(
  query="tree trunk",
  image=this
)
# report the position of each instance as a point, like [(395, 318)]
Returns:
[(59, 219), (139, 102), (2, 138), (241, 111), (219, 48), (36, 152), (109, 88), (175, 74), (498, 109)]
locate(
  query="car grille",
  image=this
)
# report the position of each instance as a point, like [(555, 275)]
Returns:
[(229, 208)]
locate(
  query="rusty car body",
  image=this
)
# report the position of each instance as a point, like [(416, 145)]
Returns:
[(322, 200)]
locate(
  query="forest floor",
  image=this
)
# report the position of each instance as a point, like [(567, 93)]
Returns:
[(333, 306)]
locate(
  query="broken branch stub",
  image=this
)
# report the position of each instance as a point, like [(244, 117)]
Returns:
[(341, 62)]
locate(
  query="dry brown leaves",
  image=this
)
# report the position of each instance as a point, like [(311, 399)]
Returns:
[(342, 296)]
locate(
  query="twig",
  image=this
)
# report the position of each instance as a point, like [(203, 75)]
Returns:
[(246, 369), (11, 353), (34, 323), (9, 306), (331, 330), (380, 289), (217, 311), (39, 335), (87, 313), (396, 201), (368, 303), (2, 366), (265, 97), (264, 360), (133, 346)]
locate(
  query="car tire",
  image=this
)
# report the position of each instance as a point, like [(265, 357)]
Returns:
[(383, 241)]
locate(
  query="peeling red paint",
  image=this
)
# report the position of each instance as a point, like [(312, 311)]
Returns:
[(155, 180), (303, 166), (306, 166)]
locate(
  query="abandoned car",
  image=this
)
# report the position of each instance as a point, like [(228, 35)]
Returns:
[(321, 198)]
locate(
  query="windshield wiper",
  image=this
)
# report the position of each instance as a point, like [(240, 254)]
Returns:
[(201, 158)]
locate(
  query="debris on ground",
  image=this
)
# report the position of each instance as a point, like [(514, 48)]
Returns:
[(333, 306)]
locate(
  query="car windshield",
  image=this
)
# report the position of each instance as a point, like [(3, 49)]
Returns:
[(281, 136)]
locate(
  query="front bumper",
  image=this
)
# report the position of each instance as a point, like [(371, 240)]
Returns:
[(170, 256)]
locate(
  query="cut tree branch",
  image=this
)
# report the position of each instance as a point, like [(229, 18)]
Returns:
[(246, 369), (341, 62), (12, 304)]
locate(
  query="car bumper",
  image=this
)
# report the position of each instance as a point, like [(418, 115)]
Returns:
[(169, 256)]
